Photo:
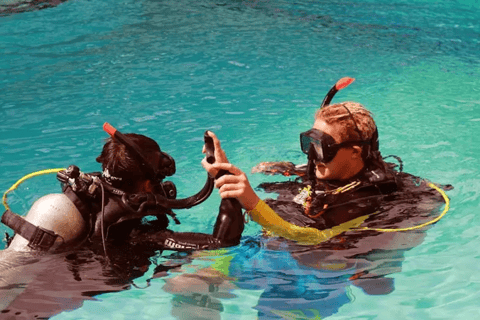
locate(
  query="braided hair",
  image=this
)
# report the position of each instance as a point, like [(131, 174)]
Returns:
[(357, 124)]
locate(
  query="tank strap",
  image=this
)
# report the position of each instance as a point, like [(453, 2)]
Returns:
[(81, 204), (38, 238)]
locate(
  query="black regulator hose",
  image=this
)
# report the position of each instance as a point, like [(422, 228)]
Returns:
[(209, 148), (203, 194), (189, 202)]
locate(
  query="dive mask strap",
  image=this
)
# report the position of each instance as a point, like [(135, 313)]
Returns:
[(38, 238), (145, 166)]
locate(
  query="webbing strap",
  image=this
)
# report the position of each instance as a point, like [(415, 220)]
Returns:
[(38, 238)]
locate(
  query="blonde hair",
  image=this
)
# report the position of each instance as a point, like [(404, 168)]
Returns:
[(342, 114)]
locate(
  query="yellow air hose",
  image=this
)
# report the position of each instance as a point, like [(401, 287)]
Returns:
[(431, 185), (28, 176), (447, 207)]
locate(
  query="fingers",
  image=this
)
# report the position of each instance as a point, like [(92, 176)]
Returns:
[(237, 186), (226, 189), (220, 155), (216, 142), (234, 186), (209, 168), (227, 167), (237, 180), (237, 194), (213, 169)]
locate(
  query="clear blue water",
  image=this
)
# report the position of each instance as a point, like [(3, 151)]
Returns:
[(254, 73)]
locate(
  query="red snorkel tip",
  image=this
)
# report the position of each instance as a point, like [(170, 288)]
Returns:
[(109, 129), (343, 83)]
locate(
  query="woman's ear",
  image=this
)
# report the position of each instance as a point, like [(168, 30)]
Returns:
[(357, 152)]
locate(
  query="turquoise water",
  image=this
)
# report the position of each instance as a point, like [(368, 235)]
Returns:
[(253, 72)]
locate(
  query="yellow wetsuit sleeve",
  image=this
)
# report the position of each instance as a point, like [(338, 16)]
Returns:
[(271, 221)]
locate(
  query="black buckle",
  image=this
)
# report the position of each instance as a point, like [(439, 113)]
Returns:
[(42, 239), (38, 237)]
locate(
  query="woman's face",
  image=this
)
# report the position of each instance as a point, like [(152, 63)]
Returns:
[(346, 162)]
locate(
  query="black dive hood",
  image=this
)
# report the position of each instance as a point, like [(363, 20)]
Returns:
[(149, 171)]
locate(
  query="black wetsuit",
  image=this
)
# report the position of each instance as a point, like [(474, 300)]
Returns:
[(315, 278), (121, 223), (329, 207)]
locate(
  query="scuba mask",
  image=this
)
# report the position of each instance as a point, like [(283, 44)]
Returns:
[(322, 147)]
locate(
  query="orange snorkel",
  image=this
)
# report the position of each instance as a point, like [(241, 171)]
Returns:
[(341, 84)]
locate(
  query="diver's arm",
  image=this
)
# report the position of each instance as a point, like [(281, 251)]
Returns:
[(226, 232), (271, 221), (237, 186)]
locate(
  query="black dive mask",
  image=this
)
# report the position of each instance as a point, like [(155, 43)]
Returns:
[(322, 147)]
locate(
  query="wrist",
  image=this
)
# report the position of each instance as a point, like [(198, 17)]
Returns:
[(251, 203)]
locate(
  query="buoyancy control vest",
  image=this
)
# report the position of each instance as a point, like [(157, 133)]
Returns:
[(331, 203), (121, 219), (109, 213)]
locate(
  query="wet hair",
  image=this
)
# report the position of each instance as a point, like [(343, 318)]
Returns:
[(120, 168), (338, 114)]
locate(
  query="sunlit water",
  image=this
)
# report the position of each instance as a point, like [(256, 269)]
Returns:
[(253, 72)]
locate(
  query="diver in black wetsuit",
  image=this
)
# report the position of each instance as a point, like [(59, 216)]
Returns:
[(340, 205), (110, 206), (92, 238), (344, 181)]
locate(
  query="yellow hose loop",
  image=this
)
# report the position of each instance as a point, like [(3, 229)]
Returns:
[(447, 207), (431, 185), (28, 176)]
